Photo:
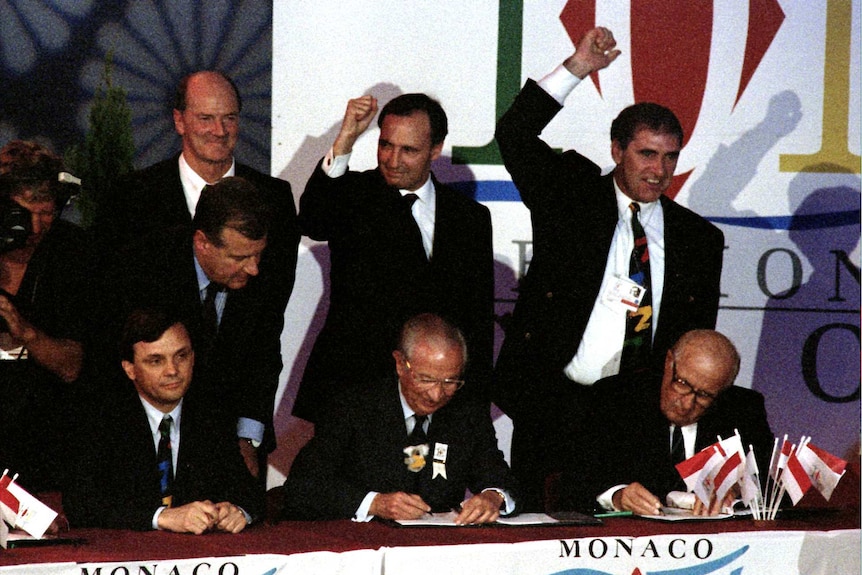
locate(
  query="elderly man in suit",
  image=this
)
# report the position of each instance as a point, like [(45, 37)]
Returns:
[(619, 271), (151, 457), (650, 421), (209, 274), (401, 243), (406, 447)]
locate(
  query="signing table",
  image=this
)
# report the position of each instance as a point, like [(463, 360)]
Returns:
[(814, 542)]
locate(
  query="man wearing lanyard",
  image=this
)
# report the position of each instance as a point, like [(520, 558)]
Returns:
[(618, 272)]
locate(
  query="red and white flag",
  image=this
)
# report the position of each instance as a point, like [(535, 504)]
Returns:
[(794, 479), (728, 475), (34, 517), (8, 502), (823, 469), (690, 470), (781, 461), (749, 480)]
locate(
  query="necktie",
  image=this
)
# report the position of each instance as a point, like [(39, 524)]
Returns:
[(165, 460), (638, 338), (677, 446), (418, 436), (210, 315), (417, 248)]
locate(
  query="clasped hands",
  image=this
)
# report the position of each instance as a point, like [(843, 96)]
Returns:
[(201, 516), (481, 508)]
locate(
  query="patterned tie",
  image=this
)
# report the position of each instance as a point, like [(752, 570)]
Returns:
[(638, 338), (416, 245), (165, 459)]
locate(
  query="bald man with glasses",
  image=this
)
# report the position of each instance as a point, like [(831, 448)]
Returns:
[(408, 446), (650, 421)]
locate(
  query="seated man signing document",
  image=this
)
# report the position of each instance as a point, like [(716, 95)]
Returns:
[(651, 421), (407, 445)]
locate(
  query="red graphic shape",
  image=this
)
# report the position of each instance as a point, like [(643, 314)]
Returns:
[(764, 19), (636, 571), (670, 42), (578, 17), (676, 185)]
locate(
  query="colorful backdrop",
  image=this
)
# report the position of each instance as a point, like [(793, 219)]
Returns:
[(767, 90)]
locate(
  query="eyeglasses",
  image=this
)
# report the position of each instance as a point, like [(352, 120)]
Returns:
[(682, 387), (449, 385)]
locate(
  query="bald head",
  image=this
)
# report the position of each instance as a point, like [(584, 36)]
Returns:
[(701, 365), (710, 350)]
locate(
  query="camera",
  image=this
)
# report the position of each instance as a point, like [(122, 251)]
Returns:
[(15, 224)]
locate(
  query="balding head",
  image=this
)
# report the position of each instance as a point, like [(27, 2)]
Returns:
[(701, 365)]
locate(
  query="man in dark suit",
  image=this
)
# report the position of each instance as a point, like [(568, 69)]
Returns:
[(573, 316), (650, 421), (207, 117), (150, 457), (400, 450), (389, 259), (208, 275)]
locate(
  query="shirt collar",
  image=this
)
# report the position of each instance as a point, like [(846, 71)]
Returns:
[(193, 184), (203, 280), (623, 201), (425, 193), (405, 407), (154, 416)]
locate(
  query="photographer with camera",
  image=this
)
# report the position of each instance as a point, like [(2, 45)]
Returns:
[(45, 267)]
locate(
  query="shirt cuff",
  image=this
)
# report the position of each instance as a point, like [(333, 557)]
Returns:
[(507, 499), (362, 515), (559, 83), (156, 517), (250, 429), (335, 166), (606, 499)]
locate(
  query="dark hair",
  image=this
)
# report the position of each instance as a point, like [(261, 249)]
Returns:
[(180, 102), (30, 166), (647, 115), (232, 203), (407, 104), (144, 325)]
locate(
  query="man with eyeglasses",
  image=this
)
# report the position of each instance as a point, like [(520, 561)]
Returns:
[(651, 421), (407, 447)]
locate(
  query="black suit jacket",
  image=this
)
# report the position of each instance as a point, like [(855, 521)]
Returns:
[(116, 479), (238, 374), (377, 283), (573, 211), (358, 447), (152, 199), (628, 439)]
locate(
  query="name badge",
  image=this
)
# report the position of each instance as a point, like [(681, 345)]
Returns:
[(623, 294)]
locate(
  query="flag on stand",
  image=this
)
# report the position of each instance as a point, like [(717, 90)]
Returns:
[(748, 482), (779, 464), (34, 517), (728, 475), (8, 503), (823, 469), (795, 479), (691, 469)]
